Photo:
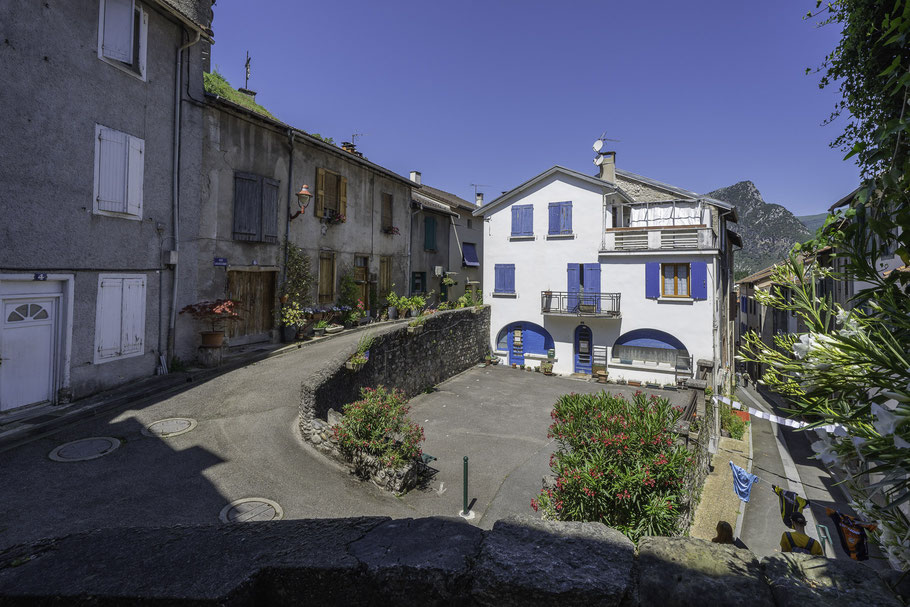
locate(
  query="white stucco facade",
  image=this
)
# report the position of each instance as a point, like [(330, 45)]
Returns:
[(541, 264)]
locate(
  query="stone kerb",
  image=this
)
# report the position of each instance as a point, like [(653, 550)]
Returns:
[(451, 342), (430, 561)]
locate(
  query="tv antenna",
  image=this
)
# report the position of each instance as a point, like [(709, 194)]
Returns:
[(246, 80), (480, 185), (599, 144), (354, 137)]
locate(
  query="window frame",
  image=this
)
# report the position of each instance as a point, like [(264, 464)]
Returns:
[(422, 276), (663, 282), (101, 315), (132, 143), (140, 54)]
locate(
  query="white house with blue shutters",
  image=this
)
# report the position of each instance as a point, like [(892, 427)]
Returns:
[(617, 271)]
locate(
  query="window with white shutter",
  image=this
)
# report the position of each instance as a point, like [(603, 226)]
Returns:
[(122, 35), (119, 173), (120, 317)]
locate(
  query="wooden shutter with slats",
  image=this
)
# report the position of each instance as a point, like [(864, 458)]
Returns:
[(117, 37), (111, 177), (108, 318), (247, 207), (320, 192), (135, 176), (343, 196), (132, 328), (269, 210)]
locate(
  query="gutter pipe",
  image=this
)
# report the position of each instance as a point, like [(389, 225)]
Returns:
[(287, 219), (171, 337)]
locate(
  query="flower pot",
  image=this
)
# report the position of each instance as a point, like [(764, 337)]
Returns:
[(288, 334), (319, 331), (393, 313), (212, 339), (284, 299), (354, 366), (634, 382), (514, 365), (336, 329), (415, 330)]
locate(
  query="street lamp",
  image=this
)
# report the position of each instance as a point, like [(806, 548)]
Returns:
[(303, 199)]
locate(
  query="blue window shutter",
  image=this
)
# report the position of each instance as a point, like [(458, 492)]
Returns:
[(498, 278), (555, 208), (510, 278), (573, 285), (565, 218), (527, 221), (652, 280), (592, 284), (699, 277), (516, 220), (429, 233)]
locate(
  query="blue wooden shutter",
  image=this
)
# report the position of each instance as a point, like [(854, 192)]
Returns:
[(652, 280), (554, 216), (504, 276), (565, 218), (516, 221), (510, 278), (269, 210), (698, 274), (592, 284), (247, 207), (573, 285), (527, 221), (429, 237)]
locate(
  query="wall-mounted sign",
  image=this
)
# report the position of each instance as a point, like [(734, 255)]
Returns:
[(220, 261), (40, 276)]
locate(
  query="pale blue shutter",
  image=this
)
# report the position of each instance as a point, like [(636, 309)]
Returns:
[(565, 218), (592, 284), (527, 221), (510, 278), (652, 280), (698, 274), (554, 216), (516, 221), (573, 285)]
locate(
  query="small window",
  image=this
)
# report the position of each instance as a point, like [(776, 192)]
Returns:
[(387, 218), (418, 282), (119, 173), (675, 281), (122, 34), (255, 208), (331, 195), (470, 225), (326, 277), (469, 255), (120, 317), (522, 220), (560, 218), (504, 278)]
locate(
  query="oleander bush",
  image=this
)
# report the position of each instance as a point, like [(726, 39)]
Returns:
[(378, 425), (617, 463)]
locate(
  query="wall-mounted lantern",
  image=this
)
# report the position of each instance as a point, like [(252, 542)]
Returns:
[(303, 199)]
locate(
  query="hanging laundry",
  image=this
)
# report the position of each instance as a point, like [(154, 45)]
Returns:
[(790, 504), (742, 482), (852, 534)]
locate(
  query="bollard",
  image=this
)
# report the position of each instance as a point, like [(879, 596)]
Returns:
[(464, 509)]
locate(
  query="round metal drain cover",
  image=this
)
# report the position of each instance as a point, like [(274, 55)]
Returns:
[(173, 426), (84, 449), (250, 509)]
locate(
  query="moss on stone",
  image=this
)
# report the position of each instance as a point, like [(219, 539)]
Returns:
[(215, 84)]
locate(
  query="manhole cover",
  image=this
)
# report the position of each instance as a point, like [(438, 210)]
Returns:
[(251, 509), (165, 428), (84, 449)]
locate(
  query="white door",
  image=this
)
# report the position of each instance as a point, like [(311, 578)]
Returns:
[(28, 340)]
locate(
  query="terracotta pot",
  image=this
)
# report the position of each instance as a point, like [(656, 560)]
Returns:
[(284, 299), (212, 339)]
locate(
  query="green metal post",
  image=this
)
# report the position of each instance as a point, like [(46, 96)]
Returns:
[(465, 509)]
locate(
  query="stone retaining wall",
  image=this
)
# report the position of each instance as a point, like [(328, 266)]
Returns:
[(449, 343), (431, 561)]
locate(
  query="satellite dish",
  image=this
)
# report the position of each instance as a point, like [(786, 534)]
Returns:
[(598, 145), (599, 160)]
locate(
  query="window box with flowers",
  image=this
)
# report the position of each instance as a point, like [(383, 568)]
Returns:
[(334, 218), (391, 230)]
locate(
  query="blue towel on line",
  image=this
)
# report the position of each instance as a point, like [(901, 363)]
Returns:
[(742, 482)]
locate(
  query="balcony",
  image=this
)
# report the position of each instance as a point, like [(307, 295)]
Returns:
[(658, 238), (595, 305)]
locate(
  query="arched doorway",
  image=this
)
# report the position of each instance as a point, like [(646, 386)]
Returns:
[(584, 347), (520, 338)]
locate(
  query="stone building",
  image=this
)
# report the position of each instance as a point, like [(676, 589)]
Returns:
[(100, 154)]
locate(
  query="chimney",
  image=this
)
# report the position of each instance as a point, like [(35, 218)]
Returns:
[(347, 146), (248, 93), (415, 177), (607, 166), (478, 199)]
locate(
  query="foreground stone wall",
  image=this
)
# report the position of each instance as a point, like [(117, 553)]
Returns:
[(698, 442), (449, 343), (432, 561)]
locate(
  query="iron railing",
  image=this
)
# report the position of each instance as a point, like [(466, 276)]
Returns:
[(580, 304)]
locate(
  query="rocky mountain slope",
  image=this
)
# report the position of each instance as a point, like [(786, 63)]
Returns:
[(812, 222), (768, 230)]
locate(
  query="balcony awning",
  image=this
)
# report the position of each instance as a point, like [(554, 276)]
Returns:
[(649, 338), (469, 252)]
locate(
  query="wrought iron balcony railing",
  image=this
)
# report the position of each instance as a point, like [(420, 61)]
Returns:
[(567, 303)]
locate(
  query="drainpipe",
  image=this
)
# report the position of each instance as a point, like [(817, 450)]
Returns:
[(178, 73), (287, 218), (407, 279)]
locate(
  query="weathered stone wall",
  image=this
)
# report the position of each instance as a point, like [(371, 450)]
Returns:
[(450, 342), (432, 561)]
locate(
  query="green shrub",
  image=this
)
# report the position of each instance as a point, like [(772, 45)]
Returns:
[(617, 463), (419, 321), (377, 424), (349, 290), (731, 422)]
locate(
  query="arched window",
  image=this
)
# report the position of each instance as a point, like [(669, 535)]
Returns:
[(534, 338), (649, 345)]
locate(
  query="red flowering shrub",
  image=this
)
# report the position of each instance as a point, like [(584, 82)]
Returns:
[(377, 424), (617, 463)]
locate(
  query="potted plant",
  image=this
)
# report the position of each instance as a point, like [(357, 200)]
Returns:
[(416, 325), (293, 317), (546, 368), (652, 384), (671, 387), (218, 313), (362, 355), (621, 381), (547, 300), (635, 382), (319, 329), (334, 328)]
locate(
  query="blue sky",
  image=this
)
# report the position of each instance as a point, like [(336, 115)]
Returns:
[(701, 94)]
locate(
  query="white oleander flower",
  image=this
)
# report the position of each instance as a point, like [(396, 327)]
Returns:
[(825, 451), (885, 421), (900, 443)]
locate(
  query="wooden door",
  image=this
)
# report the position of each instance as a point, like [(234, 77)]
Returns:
[(255, 292)]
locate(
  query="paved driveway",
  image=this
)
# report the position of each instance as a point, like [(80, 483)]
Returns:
[(246, 445)]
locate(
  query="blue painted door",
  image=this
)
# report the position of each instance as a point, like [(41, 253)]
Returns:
[(573, 286), (584, 347), (516, 346)]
